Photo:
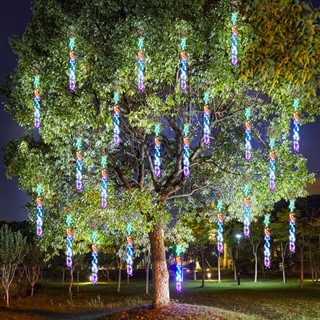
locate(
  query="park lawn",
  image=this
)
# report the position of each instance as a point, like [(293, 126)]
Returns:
[(269, 299)]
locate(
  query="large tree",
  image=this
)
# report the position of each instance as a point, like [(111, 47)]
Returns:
[(278, 47)]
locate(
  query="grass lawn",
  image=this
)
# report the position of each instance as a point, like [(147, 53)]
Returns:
[(268, 299)]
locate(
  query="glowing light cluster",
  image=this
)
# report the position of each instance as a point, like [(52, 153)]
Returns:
[(94, 261), (292, 226), (79, 164), (129, 251), (247, 139), (116, 118), (183, 64), (267, 241), (104, 182), (234, 35), (36, 100), (206, 119), (272, 165), (296, 125), (179, 270), (69, 232), (140, 61), (246, 211), (157, 145), (39, 210), (186, 150), (72, 63), (220, 226)]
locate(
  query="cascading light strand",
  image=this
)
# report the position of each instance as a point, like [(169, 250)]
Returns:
[(186, 150), (36, 99), (272, 165), (267, 241), (129, 251), (220, 226), (247, 139), (292, 226), (179, 272), (104, 182), (234, 34), (39, 214), (79, 164), (116, 118), (206, 119), (246, 211), (140, 60), (183, 63), (94, 261), (69, 236), (296, 125), (157, 145), (72, 62)]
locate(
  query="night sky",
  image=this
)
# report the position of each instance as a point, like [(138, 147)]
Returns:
[(14, 17)]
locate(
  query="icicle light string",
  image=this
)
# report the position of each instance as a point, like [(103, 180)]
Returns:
[(272, 165), (104, 182), (72, 63), (140, 60), (186, 150), (266, 241), (292, 226), (220, 226), (296, 125), (36, 100), (116, 118), (234, 35), (246, 211), (69, 232), (94, 254), (183, 63), (179, 271), (39, 214), (157, 145), (79, 164), (247, 139), (129, 251), (206, 119)]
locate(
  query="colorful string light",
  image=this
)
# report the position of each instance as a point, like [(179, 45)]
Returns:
[(292, 226), (247, 139), (186, 150), (39, 210), (72, 63), (246, 211), (116, 118), (183, 63), (79, 165), (234, 35), (129, 251), (69, 232), (94, 254), (267, 241), (179, 271), (104, 182), (296, 125), (140, 60), (157, 145), (220, 226), (272, 165), (36, 100), (206, 119)]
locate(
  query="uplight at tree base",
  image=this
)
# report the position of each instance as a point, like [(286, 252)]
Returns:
[(72, 63), (94, 261), (39, 209), (116, 118), (104, 182), (206, 119), (296, 125), (183, 64), (234, 34), (140, 60), (266, 241), (79, 164), (248, 137), (220, 227), (69, 237), (292, 227), (36, 100), (246, 211), (186, 150), (272, 165), (157, 145)]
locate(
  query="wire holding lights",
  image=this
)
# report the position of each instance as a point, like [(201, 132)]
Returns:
[(272, 165), (157, 145), (266, 240), (79, 164), (94, 254), (116, 118), (179, 272), (247, 139), (183, 63), (246, 211), (140, 60), (234, 35), (186, 150), (72, 63), (220, 226), (36, 100), (104, 182), (296, 125), (292, 226), (129, 251), (206, 119), (69, 232), (39, 210)]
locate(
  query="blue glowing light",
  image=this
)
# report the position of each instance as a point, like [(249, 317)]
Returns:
[(220, 227), (140, 60), (79, 164), (157, 145), (94, 261), (104, 182), (272, 165), (116, 118), (39, 210), (292, 226), (266, 241), (247, 139), (69, 232), (72, 64), (296, 125), (206, 119), (234, 36), (186, 150), (36, 101), (246, 211), (129, 251), (183, 64)]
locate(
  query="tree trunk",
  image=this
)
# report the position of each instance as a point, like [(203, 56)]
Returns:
[(311, 265), (160, 269), (7, 296), (78, 271), (282, 260), (63, 275), (256, 267), (71, 283), (301, 267), (219, 269), (119, 276), (203, 268), (147, 267)]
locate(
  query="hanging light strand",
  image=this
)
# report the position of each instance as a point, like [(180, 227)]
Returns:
[(94, 261), (220, 226), (116, 118), (79, 164), (72, 63), (206, 119), (140, 61), (272, 165), (179, 272), (292, 226), (36, 100), (157, 145), (104, 182), (234, 35), (267, 240), (246, 211), (186, 150), (69, 232), (129, 251), (296, 125), (183, 63), (39, 210), (248, 137)]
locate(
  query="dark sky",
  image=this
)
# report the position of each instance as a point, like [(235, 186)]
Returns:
[(14, 16)]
